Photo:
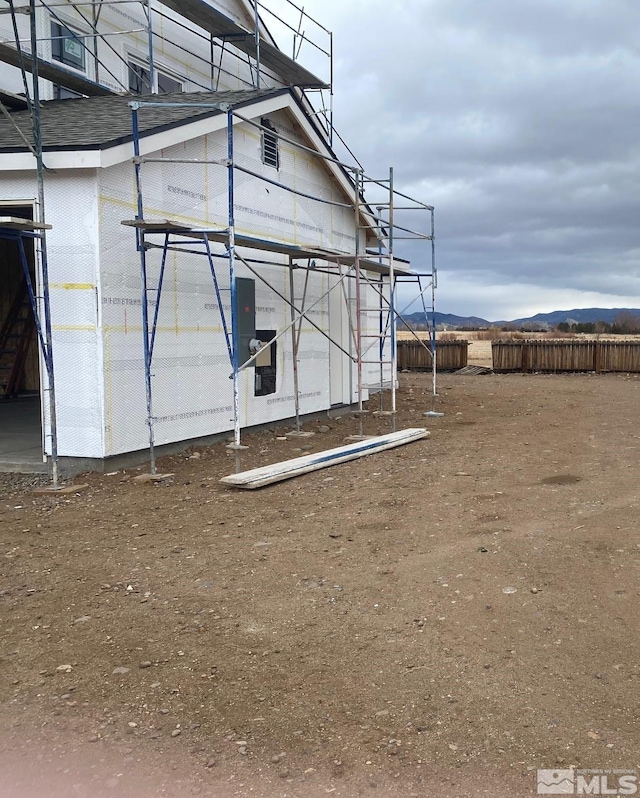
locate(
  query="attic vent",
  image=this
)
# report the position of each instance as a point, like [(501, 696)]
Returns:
[(270, 154)]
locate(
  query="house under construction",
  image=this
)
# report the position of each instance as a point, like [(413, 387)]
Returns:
[(183, 253)]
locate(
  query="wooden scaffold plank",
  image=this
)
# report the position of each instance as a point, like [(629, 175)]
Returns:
[(277, 472)]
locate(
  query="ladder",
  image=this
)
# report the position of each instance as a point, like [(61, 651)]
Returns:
[(382, 307), (382, 311), (15, 339)]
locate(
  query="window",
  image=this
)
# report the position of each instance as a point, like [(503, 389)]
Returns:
[(67, 47), (140, 81), (167, 84), (270, 154)]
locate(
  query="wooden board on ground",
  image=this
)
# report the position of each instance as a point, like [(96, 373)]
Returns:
[(143, 479), (66, 490), (266, 475), (473, 371)]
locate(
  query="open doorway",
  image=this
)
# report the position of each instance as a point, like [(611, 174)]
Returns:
[(20, 403)]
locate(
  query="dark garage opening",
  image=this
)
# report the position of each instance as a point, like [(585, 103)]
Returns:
[(20, 406)]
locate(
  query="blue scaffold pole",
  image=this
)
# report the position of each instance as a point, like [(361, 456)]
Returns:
[(232, 285), (140, 241)]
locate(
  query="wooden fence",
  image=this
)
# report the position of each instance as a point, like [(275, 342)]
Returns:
[(450, 355), (559, 356)]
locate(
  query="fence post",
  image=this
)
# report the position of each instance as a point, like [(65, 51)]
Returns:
[(525, 357)]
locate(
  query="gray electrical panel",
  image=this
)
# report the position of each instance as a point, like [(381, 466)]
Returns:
[(246, 314)]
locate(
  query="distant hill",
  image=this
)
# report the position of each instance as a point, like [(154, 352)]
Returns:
[(579, 315), (449, 319)]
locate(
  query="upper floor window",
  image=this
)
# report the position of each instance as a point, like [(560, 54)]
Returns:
[(67, 47), (270, 152), (167, 84), (140, 81)]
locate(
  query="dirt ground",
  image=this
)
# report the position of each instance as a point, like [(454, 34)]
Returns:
[(480, 354), (436, 620)]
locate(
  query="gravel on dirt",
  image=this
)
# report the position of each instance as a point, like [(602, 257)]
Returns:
[(438, 619)]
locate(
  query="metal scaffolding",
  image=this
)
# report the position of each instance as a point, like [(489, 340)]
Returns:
[(212, 26), (380, 271), (20, 231), (389, 226)]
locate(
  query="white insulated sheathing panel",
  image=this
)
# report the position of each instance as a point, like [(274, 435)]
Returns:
[(96, 294), (192, 389), (72, 256)]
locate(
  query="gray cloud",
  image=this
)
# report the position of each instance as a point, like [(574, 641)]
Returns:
[(518, 120)]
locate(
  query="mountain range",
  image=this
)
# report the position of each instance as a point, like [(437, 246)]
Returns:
[(579, 315)]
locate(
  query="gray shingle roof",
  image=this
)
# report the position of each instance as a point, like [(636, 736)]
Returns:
[(100, 122)]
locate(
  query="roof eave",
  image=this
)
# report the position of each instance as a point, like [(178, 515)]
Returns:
[(124, 141)]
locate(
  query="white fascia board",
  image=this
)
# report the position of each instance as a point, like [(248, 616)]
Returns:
[(61, 159), (72, 159)]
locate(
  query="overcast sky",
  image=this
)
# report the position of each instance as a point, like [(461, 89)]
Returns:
[(519, 121)]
